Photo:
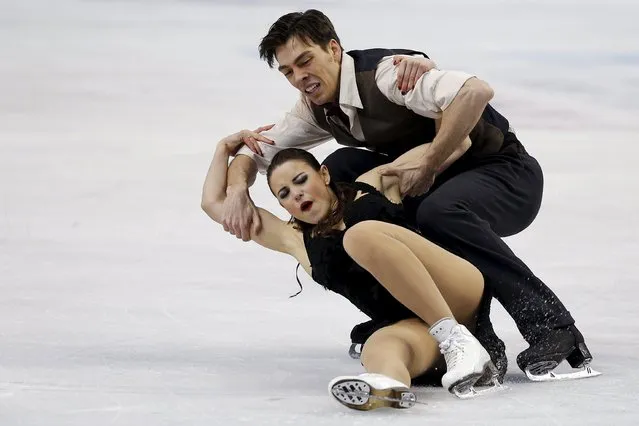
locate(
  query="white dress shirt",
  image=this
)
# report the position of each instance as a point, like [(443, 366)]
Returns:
[(433, 93)]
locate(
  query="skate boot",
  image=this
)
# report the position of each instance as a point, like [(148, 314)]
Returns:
[(369, 391), (497, 351), (466, 362), (485, 334), (361, 333), (559, 344)]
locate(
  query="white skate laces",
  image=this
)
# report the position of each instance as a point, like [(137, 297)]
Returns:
[(466, 362), (453, 352)]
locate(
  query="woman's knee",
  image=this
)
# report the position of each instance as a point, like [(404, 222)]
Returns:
[(386, 346), (407, 342), (359, 240)]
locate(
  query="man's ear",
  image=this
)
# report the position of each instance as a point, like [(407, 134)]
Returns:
[(335, 49), (326, 176)]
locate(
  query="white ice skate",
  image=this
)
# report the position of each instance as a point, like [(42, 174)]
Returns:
[(369, 391), (466, 362)]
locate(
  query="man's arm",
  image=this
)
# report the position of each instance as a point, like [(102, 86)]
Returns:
[(459, 118), (276, 234), (239, 214), (242, 172), (455, 98), (298, 129)]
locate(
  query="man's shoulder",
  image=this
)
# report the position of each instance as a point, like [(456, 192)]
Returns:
[(368, 59)]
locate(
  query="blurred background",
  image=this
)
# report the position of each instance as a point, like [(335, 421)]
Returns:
[(122, 303)]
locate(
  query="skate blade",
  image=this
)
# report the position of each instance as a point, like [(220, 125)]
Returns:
[(355, 351), (359, 395), (465, 388), (471, 392), (550, 376)]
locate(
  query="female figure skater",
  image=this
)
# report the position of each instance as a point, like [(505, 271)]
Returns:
[(354, 240)]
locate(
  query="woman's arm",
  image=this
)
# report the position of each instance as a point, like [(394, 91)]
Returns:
[(275, 233)]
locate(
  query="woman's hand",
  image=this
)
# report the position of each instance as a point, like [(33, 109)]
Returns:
[(410, 69), (249, 138)]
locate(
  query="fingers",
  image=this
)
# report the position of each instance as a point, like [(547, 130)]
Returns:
[(264, 128), (245, 231), (256, 134), (257, 223), (263, 139), (401, 74), (241, 230), (252, 144), (415, 70)]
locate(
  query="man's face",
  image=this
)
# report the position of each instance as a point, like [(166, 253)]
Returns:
[(311, 69)]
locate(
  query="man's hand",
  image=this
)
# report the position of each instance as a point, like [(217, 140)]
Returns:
[(240, 217), (410, 69), (416, 176)]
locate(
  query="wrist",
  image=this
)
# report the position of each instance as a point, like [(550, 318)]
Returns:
[(223, 147)]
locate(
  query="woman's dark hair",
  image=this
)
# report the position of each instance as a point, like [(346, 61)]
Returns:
[(310, 26), (342, 192)]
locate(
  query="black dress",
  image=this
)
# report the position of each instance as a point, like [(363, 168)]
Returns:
[(334, 269)]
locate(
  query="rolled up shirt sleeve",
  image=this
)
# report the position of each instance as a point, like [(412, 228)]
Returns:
[(433, 93), (297, 129)]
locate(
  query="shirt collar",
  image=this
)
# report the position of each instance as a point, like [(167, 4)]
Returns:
[(348, 93)]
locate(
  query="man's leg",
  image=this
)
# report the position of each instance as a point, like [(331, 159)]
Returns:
[(468, 212), (347, 164)]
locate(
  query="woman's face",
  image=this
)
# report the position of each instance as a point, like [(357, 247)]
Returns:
[(303, 191)]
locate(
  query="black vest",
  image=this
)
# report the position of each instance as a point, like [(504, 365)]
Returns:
[(394, 129)]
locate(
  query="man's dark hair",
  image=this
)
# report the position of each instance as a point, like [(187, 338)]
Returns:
[(310, 26)]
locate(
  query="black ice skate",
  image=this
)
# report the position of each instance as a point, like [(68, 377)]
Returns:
[(539, 360), (497, 351), (495, 348)]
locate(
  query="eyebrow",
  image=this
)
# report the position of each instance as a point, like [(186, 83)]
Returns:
[(306, 52), (295, 177)]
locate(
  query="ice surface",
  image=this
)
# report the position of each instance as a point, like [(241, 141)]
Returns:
[(122, 303)]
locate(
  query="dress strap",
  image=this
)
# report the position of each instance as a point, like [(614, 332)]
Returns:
[(298, 282), (364, 187)]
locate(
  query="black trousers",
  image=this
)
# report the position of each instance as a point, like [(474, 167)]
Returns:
[(470, 207)]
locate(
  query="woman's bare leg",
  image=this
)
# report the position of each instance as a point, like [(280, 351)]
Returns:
[(402, 351), (439, 288), (425, 278)]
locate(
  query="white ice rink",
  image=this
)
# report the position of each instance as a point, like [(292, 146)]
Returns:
[(121, 303)]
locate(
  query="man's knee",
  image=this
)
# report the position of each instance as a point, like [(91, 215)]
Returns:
[(435, 214), (347, 164), (340, 163)]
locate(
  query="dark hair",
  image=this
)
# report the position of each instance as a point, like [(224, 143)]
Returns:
[(342, 192), (310, 26)]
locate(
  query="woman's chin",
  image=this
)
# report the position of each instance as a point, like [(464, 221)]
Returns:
[(306, 219)]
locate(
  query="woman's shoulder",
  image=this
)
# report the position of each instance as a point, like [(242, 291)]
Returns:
[(388, 186)]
